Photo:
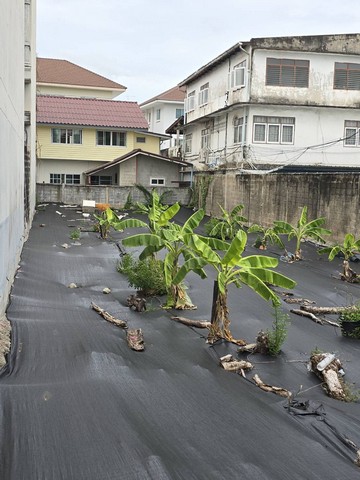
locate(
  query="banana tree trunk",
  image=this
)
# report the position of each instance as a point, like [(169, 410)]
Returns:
[(348, 274), (178, 298)]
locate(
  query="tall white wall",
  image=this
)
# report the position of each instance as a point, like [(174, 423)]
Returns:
[(13, 227)]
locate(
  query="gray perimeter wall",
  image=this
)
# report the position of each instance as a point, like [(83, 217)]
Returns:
[(115, 196), (281, 197)]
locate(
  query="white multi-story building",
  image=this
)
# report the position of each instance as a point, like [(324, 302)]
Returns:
[(161, 112), (17, 134), (280, 102)]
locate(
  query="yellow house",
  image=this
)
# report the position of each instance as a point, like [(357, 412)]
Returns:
[(80, 128)]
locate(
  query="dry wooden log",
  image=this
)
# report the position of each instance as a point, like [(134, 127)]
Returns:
[(192, 323), (270, 388), (135, 339), (329, 310), (303, 301), (327, 367), (248, 348), (228, 363), (305, 313), (108, 317)]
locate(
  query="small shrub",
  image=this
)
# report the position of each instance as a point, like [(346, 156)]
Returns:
[(146, 275), (351, 316), (75, 234), (277, 336)]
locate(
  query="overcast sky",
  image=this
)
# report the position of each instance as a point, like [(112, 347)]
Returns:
[(151, 45)]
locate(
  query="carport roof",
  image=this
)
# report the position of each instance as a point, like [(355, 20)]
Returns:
[(132, 154)]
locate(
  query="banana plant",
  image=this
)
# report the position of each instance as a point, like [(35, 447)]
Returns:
[(170, 237), (348, 249), (303, 229), (231, 267), (265, 236), (226, 226)]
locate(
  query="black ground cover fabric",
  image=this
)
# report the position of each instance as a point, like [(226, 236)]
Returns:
[(78, 404)]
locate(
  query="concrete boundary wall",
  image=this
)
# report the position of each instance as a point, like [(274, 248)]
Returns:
[(115, 196), (279, 196)]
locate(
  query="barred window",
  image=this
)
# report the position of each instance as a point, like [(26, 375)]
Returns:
[(352, 133)]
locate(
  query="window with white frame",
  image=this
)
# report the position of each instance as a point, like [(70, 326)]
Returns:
[(157, 181), (66, 135), (205, 138), (347, 76), (239, 130), (204, 94), (237, 76), (55, 178), (112, 138), (190, 101), (273, 129), (101, 180), (352, 133), (179, 112), (157, 114), (148, 117), (285, 72), (188, 143)]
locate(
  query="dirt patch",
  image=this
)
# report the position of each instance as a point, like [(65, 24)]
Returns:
[(5, 329)]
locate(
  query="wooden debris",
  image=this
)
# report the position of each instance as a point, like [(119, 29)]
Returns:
[(248, 348), (230, 364), (135, 339), (270, 388), (329, 310), (192, 323), (136, 303), (108, 317), (302, 301), (307, 314), (329, 369)]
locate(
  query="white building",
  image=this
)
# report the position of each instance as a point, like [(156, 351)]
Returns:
[(275, 102), (162, 111), (17, 134)]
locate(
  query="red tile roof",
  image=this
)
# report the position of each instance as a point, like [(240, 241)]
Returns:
[(175, 94), (52, 70), (58, 110)]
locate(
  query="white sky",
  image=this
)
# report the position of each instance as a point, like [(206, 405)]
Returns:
[(151, 45)]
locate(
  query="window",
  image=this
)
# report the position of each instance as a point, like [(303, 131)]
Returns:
[(55, 178), (237, 77), (352, 133), (204, 94), (100, 180), (347, 76), (66, 135), (157, 114), (72, 179), (239, 130), (273, 129), (148, 117), (205, 138), (179, 112), (157, 181), (140, 139), (190, 101), (188, 143), (117, 139), (283, 72)]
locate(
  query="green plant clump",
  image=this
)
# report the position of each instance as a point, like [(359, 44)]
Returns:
[(75, 234), (277, 336), (145, 275), (352, 316)]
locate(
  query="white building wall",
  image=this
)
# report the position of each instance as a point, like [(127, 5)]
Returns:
[(13, 224), (167, 118)]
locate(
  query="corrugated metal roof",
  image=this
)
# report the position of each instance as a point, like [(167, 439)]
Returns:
[(175, 94), (89, 112), (63, 72)]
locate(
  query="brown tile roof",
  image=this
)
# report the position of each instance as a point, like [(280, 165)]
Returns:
[(52, 70), (175, 94), (58, 110)]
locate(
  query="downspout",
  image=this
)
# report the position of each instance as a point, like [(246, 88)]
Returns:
[(245, 134)]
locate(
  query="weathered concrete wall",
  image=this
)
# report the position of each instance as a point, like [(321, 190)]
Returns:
[(281, 197), (115, 196)]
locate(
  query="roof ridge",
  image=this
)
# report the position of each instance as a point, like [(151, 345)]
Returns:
[(85, 98)]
